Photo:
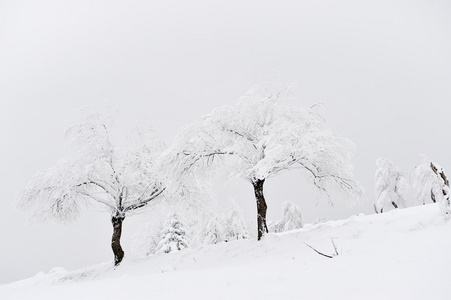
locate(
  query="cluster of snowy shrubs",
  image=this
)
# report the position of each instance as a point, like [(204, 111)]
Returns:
[(175, 235), (428, 181)]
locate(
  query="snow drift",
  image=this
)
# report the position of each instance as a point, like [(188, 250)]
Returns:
[(401, 254)]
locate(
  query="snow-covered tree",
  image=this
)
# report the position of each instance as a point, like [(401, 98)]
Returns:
[(430, 182), (261, 137), (292, 218), (391, 185), (193, 203), (98, 174), (174, 236), (235, 226), (214, 232)]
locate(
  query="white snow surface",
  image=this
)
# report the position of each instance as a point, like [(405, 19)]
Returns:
[(400, 254)]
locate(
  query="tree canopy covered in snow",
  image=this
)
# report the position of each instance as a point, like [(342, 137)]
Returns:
[(391, 185), (430, 182), (260, 137), (98, 174)]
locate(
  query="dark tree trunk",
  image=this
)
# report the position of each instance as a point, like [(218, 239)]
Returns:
[(394, 204), (261, 207), (116, 239)]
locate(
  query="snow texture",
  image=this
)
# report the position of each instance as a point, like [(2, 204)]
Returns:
[(400, 254)]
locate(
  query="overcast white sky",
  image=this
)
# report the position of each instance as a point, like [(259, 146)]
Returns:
[(383, 68)]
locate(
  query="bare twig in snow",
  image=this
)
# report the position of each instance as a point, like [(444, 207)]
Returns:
[(320, 253)]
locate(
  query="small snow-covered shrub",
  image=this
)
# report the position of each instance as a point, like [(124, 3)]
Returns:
[(235, 226), (292, 218), (174, 236), (214, 232)]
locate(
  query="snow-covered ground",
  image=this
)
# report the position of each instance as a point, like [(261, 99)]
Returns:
[(401, 254)]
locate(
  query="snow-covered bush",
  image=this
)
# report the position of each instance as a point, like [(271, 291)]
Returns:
[(391, 186), (235, 226), (430, 182), (174, 236), (292, 218), (214, 231), (194, 205)]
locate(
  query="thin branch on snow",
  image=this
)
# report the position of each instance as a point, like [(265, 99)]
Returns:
[(335, 247), (320, 253), (325, 255)]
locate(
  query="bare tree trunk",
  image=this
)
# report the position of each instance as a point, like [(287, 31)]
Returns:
[(116, 239), (261, 207), (394, 204)]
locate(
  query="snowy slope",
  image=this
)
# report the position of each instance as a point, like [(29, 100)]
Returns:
[(402, 254)]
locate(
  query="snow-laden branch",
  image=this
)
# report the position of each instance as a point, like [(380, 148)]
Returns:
[(143, 202)]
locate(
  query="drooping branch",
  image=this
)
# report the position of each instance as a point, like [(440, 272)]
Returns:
[(344, 182), (105, 185), (280, 165), (78, 189), (93, 183), (98, 199), (247, 137)]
